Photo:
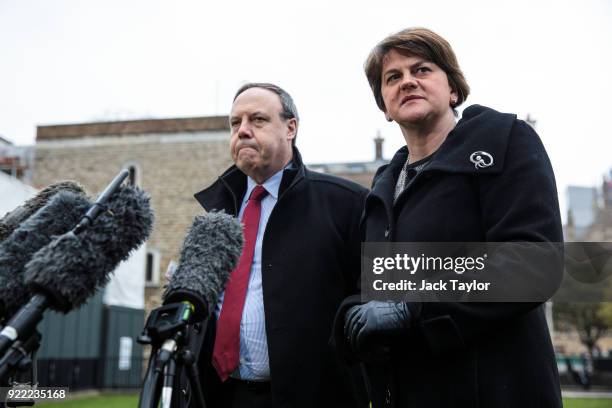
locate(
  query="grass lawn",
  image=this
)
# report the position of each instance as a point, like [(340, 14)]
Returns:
[(104, 401), (131, 401), (587, 403)]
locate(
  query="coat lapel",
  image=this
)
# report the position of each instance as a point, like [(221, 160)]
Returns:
[(476, 145)]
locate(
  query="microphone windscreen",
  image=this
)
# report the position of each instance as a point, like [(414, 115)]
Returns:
[(59, 216), (72, 267), (13, 219), (210, 252)]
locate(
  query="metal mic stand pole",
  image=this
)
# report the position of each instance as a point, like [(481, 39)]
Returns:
[(168, 331), (149, 395)]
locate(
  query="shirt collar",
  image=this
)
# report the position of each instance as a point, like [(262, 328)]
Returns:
[(271, 185)]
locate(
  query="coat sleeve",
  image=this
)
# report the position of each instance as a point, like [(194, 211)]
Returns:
[(353, 244), (518, 204)]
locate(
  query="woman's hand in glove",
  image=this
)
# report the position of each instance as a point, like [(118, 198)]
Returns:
[(375, 319)]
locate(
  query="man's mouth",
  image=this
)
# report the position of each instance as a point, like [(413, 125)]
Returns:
[(246, 147)]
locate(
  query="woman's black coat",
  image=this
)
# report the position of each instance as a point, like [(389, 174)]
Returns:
[(469, 354)]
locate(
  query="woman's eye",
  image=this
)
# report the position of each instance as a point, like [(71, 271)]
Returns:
[(423, 69), (392, 77)]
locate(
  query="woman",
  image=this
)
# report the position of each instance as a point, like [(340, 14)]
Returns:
[(486, 178)]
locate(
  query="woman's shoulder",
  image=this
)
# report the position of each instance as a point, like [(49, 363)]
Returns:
[(481, 141), (484, 119), (485, 125), (479, 116)]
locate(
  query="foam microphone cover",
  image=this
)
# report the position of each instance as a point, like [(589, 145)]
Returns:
[(73, 267), (59, 216), (210, 252), (13, 219)]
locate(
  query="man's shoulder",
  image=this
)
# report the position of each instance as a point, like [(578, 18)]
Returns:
[(328, 181)]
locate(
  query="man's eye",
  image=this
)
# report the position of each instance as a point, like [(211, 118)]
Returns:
[(234, 124), (259, 119)]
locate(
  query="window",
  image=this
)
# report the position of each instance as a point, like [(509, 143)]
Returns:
[(152, 268)]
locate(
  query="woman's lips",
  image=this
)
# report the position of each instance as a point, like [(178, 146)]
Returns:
[(410, 98)]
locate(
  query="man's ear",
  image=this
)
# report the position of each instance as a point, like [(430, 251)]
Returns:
[(292, 126)]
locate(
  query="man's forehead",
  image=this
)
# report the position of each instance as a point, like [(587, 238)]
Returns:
[(256, 99)]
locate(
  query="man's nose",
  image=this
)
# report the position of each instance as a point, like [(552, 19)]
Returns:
[(245, 131)]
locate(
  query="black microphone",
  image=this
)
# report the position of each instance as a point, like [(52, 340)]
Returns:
[(13, 219), (210, 252), (58, 216), (66, 272)]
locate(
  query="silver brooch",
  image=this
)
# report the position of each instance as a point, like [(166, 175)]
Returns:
[(481, 159)]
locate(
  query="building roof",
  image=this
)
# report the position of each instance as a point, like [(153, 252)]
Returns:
[(348, 168), (4, 141), (131, 127)]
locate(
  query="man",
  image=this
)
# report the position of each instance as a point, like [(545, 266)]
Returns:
[(267, 344)]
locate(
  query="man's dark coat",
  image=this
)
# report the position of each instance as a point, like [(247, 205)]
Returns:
[(470, 354), (310, 262)]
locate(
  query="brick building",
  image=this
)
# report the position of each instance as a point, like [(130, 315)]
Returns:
[(169, 158)]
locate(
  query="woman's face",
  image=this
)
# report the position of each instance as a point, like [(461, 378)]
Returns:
[(415, 91)]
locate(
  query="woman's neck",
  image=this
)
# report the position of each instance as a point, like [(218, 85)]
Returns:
[(422, 141)]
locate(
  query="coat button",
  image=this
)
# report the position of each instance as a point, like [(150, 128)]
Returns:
[(387, 233)]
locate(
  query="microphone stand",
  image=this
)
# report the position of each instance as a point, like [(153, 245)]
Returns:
[(19, 338), (169, 331)]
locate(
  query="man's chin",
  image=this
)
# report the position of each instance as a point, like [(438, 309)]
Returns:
[(247, 165)]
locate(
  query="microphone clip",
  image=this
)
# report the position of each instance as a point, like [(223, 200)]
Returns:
[(166, 322)]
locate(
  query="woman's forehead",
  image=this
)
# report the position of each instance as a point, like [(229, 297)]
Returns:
[(399, 56)]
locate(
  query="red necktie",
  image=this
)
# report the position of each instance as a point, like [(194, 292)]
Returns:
[(226, 351)]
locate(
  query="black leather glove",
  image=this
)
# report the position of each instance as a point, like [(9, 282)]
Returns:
[(380, 320)]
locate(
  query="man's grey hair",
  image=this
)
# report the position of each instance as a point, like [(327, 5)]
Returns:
[(289, 110)]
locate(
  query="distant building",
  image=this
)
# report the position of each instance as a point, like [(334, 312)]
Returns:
[(359, 172), (13, 193), (606, 188), (5, 142), (581, 210), (589, 219), (15, 161)]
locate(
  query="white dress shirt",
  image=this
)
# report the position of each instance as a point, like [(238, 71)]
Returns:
[(254, 364)]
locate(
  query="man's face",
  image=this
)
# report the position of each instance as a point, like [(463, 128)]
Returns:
[(260, 141)]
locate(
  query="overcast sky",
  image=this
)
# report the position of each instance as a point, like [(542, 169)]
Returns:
[(78, 61)]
